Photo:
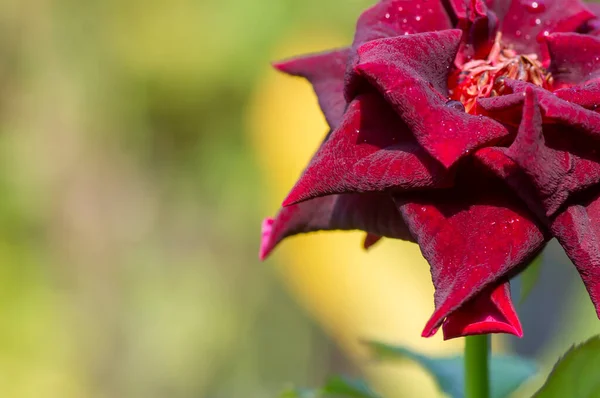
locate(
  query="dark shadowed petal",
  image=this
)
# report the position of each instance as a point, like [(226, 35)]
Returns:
[(479, 26), (372, 150), (546, 167), (592, 26), (578, 231), (574, 58), (491, 311), (370, 240), (412, 72), (472, 236), (559, 160), (527, 22), (374, 213), (495, 160), (326, 72)]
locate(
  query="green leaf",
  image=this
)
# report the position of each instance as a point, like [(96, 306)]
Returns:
[(529, 277), (345, 386), (507, 372), (576, 374), (336, 386)]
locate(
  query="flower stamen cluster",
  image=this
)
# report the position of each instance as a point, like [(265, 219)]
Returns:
[(483, 78)]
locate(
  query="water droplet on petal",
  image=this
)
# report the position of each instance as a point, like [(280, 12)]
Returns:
[(536, 6), (400, 9), (457, 105), (518, 33), (538, 21), (404, 20), (387, 16)]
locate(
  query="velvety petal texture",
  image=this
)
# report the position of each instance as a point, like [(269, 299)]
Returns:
[(472, 236), (326, 73), (372, 150), (470, 127), (374, 213), (411, 72)]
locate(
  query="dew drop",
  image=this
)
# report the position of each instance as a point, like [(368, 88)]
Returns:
[(404, 20), (387, 16), (546, 33), (535, 6), (518, 33), (400, 9), (538, 21), (417, 18), (527, 37)]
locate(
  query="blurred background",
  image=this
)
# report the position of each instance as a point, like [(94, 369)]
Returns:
[(141, 144)]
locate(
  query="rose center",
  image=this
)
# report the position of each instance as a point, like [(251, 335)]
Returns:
[(483, 78)]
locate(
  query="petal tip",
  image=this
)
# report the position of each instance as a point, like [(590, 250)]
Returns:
[(370, 240), (265, 242)]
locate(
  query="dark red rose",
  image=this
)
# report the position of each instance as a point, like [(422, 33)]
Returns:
[(468, 127)]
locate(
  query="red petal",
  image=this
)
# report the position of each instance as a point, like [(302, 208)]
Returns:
[(472, 236), (586, 94), (578, 231), (560, 111), (374, 213), (370, 240), (495, 160), (574, 57), (559, 160), (326, 72), (528, 22), (491, 311), (372, 150), (546, 167), (479, 26), (412, 72), (391, 18)]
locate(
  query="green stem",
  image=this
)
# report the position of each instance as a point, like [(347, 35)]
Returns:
[(477, 383)]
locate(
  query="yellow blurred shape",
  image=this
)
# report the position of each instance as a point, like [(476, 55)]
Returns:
[(385, 294)]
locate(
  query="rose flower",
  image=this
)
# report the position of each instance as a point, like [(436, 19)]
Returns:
[(468, 127)]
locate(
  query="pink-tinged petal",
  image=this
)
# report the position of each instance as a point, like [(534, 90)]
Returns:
[(412, 73), (325, 72), (578, 231), (491, 311), (370, 240), (472, 236), (527, 22), (574, 58), (372, 150), (374, 213)]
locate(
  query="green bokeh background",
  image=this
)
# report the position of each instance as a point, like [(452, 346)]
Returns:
[(130, 201)]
